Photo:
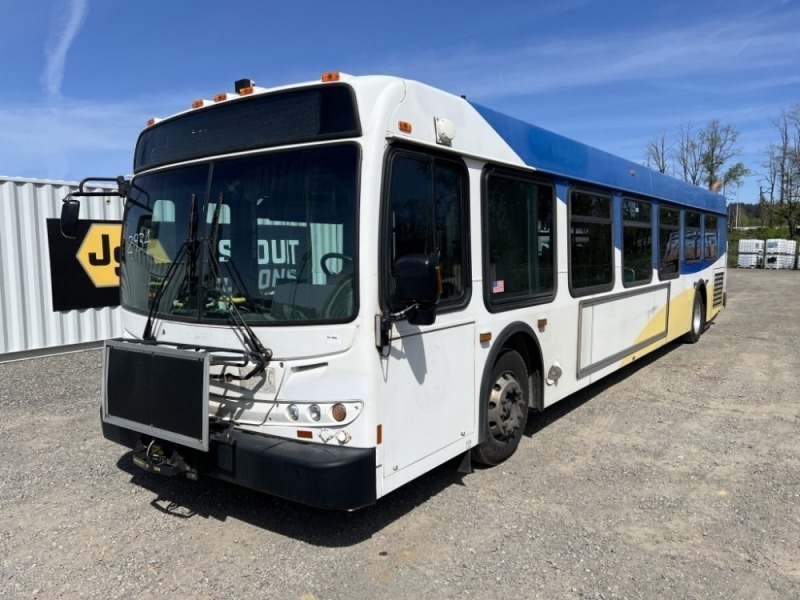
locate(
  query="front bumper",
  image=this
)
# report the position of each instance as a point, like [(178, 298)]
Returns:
[(332, 477)]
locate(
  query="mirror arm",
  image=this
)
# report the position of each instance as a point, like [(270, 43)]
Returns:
[(384, 321), (71, 204), (122, 186)]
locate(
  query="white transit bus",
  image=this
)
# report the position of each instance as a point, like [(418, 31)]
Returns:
[(330, 288)]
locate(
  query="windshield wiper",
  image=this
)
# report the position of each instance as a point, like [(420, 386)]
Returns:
[(182, 250), (261, 355), (147, 334)]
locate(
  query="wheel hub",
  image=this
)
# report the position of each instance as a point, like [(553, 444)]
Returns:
[(505, 412)]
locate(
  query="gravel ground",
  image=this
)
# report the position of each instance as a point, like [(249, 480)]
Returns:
[(677, 478)]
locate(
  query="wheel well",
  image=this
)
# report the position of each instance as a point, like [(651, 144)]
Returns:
[(520, 338), (701, 289), (526, 345)]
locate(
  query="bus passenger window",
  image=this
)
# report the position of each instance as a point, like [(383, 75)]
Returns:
[(691, 236), (711, 244), (637, 242), (591, 244), (668, 242), (519, 222)]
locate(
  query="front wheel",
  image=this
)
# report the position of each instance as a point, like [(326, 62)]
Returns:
[(698, 323), (505, 410)]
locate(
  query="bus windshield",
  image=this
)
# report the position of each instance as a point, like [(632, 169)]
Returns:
[(271, 236)]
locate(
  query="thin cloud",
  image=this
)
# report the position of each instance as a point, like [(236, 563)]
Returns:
[(72, 139), (714, 50), (63, 32)]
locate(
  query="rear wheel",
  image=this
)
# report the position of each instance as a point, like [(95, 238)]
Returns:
[(505, 410), (698, 323)]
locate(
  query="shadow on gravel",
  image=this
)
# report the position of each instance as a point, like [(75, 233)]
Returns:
[(209, 498), (539, 421), (212, 499)]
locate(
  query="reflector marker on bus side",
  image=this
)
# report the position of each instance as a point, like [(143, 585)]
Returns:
[(224, 96)]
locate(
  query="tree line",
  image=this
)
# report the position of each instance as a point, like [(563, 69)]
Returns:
[(706, 157)]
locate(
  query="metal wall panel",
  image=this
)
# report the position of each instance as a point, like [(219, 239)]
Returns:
[(28, 324)]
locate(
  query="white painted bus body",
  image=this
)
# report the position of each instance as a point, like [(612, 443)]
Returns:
[(419, 401)]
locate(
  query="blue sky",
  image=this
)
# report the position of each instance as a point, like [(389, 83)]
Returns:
[(81, 77)]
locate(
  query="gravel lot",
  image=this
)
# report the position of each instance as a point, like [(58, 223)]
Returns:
[(676, 478)]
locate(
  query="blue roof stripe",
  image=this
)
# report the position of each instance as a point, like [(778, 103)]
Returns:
[(555, 154)]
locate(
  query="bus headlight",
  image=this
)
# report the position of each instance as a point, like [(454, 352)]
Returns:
[(339, 412), (293, 412), (314, 412)]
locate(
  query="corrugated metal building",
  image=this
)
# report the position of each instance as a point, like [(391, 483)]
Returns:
[(29, 324)]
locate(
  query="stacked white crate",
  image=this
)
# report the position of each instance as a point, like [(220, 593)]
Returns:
[(781, 254), (751, 253)]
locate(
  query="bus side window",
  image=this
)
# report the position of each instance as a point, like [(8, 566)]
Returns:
[(668, 240), (711, 246), (637, 242), (518, 219), (692, 246), (591, 243)]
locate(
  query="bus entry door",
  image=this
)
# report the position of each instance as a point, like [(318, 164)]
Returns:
[(428, 391)]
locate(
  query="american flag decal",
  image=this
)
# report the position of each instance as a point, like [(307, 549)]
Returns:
[(498, 286)]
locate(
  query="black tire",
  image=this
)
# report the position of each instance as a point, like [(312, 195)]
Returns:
[(505, 410), (698, 323)]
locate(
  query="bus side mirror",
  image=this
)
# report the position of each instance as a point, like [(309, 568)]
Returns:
[(419, 284), (69, 217)]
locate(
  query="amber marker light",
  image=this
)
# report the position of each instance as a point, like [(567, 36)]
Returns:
[(303, 434), (485, 337), (246, 91), (380, 434), (151, 122), (331, 76), (339, 412), (404, 126), (221, 97)]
